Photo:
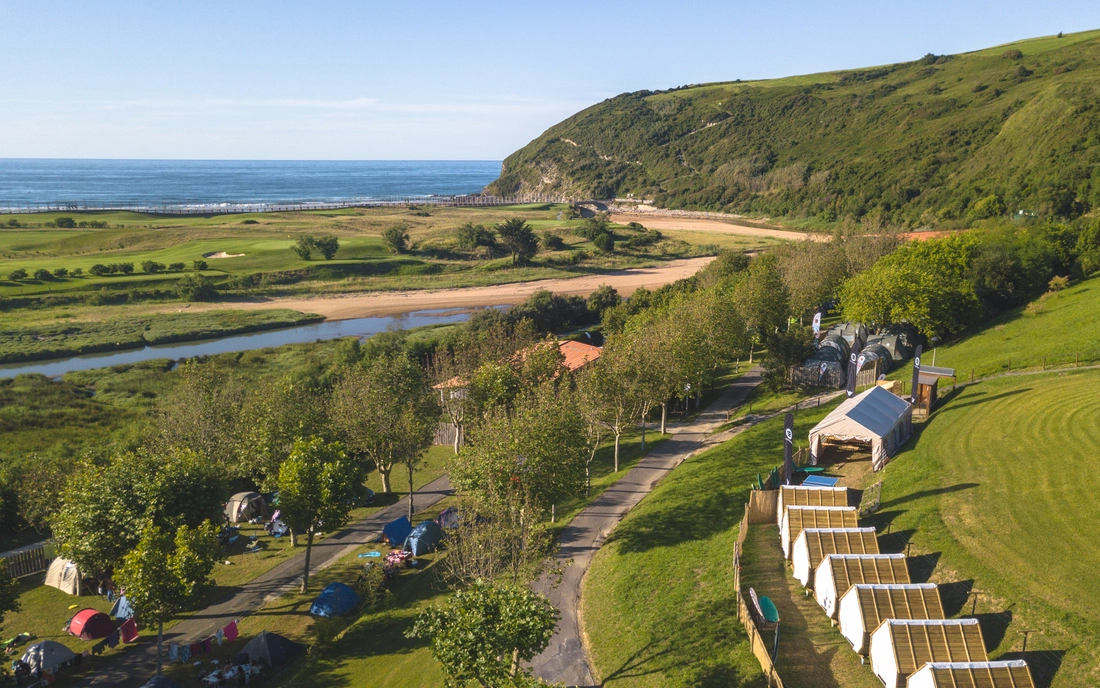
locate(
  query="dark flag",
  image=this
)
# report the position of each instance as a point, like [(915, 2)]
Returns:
[(788, 448), (916, 375), (853, 367)]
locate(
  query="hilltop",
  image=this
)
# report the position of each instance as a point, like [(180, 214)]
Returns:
[(940, 140)]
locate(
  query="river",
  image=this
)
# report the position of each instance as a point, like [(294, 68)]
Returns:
[(333, 329)]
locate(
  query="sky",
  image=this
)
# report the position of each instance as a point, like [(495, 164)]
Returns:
[(454, 80)]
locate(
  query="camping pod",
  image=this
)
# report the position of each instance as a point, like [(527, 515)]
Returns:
[(245, 506), (1008, 674), (838, 572), (424, 538), (901, 646), (65, 576), (804, 495), (875, 418), (813, 545), (864, 607), (798, 518), (336, 599), (90, 624)]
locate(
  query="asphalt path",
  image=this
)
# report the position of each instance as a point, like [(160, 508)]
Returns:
[(565, 660)]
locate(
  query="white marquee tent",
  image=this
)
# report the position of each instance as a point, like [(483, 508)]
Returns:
[(877, 417)]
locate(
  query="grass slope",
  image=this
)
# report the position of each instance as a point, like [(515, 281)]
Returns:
[(920, 141)]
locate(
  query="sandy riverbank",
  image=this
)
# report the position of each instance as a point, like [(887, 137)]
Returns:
[(673, 223), (373, 304)]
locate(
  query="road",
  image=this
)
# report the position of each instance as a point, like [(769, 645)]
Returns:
[(565, 660), (690, 224)]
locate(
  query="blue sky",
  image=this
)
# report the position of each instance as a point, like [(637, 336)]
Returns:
[(454, 80)]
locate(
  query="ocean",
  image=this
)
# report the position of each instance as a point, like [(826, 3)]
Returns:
[(149, 183)]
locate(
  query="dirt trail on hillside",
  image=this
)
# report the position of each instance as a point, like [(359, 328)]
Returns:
[(655, 221), (345, 306)]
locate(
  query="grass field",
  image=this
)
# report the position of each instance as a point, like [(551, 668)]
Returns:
[(998, 493)]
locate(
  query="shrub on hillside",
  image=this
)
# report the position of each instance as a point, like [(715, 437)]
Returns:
[(396, 238), (176, 267), (303, 247), (195, 288), (551, 241), (604, 241), (198, 264), (99, 270), (43, 275), (328, 245), (60, 272), (470, 236), (151, 267), (17, 274)]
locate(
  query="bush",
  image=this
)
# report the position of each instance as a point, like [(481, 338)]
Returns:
[(1058, 283), (603, 298), (43, 275), (303, 247), (1012, 54), (64, 223), (250, 222), (176, 267), (396, 237), (151, 266), (99, 270), (646, 238), (126, 268), (17, 274), (60, 272), (551, 241), (990, 206), (13, 223), (594, 226), (328, 245), (605, 242), (195, 288), (470, 236), (198, 264), (77, 272)]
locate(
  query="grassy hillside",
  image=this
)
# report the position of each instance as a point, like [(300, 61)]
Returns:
[(922, 142)]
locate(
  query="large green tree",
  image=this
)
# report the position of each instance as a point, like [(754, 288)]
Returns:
[(519, 239), (273, 415)]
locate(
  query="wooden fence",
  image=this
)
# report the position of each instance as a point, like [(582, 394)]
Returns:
[(30, 561), (759, 509)]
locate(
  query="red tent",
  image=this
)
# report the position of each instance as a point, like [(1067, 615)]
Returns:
[(90, 624)]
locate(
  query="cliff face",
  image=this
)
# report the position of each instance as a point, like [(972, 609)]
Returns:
[(944, 138)]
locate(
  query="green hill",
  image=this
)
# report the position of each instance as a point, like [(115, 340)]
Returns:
[(922, 142)]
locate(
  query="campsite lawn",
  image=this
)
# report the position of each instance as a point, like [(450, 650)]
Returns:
[(999, 495), (659, 606)]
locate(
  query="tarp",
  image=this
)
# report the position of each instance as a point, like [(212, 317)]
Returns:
[(396, 531), (121, 609), (90, 624), (64, 575), (47, 655), (271, 649), (875, 416), (336, 599), (161, 682), (244, 506), (424, 538)]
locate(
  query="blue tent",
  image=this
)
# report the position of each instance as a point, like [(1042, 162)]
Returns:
[(396, 531), (122, 609), (424, 538), (336, 599)]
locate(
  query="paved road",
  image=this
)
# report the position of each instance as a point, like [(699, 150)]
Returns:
[(565, 660), (139, 663)]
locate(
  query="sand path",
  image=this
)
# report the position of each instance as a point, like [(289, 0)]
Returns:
[(345, 306), (655, 221)]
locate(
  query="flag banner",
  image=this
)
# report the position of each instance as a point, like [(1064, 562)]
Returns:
[(916, 374), (817, 322), (853, 361), (788, 448)]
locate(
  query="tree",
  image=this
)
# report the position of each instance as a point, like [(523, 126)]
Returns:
[(126, 268), (77, 272), (591, 406), (612, 391), (273, 415), (303, 246), (812, 271), (43, 275), (151, 266), (176, 267), (604, 241), (496, 539), (785, 350), (64, 222), (470, 236), (9, 591), (17, 274), (485, 632), (519, 239), (59, 273), (163, 575), (203, 414), (603, 298), (396, 237), (198, 264), (317, 487), (328, 245), (761, 298), (99, 270), (195, 287)]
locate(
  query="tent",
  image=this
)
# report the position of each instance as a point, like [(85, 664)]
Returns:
[(48, 655), (336, 599), (90, 624), (269, 648), (245, 506), (64, 575), (800, 495), (1010, 674), (876, 417), (799, 518), (121, 609), (396, 531), (838, 572), (424, 538), (864, 607), (901, 646), (851, 332), (449, 518), (814, 544), (161, 682)]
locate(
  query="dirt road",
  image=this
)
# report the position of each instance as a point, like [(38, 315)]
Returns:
[(345, 306), (655, 221)]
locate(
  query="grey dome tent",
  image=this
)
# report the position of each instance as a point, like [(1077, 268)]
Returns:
[(877, 417), (47, 655), (424, 538), (65, 576), (851, 332), (161, 682), (244, 506), (269, 648)]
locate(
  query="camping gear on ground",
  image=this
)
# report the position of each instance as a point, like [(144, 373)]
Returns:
[(276, 528), (396, 531), (397, 558), (121, 609), (820, 481), (268, 648), (424, 538), (11, 644), (90, 624), (767, 617), (48, 655), (449, 517), (161, 682), (336, 599), (65, 576), (370, 555), (245, 506), (228, 535)]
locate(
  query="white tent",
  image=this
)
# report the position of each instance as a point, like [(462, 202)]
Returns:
[(901, 646), (838, 572), (64, 575), (864, 607), (47, 655), (798, 518), (802, 495), (1008, 674), (814, 544), (244, 506), (877, 417)]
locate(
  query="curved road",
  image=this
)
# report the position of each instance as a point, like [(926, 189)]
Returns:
[(565, 660)]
